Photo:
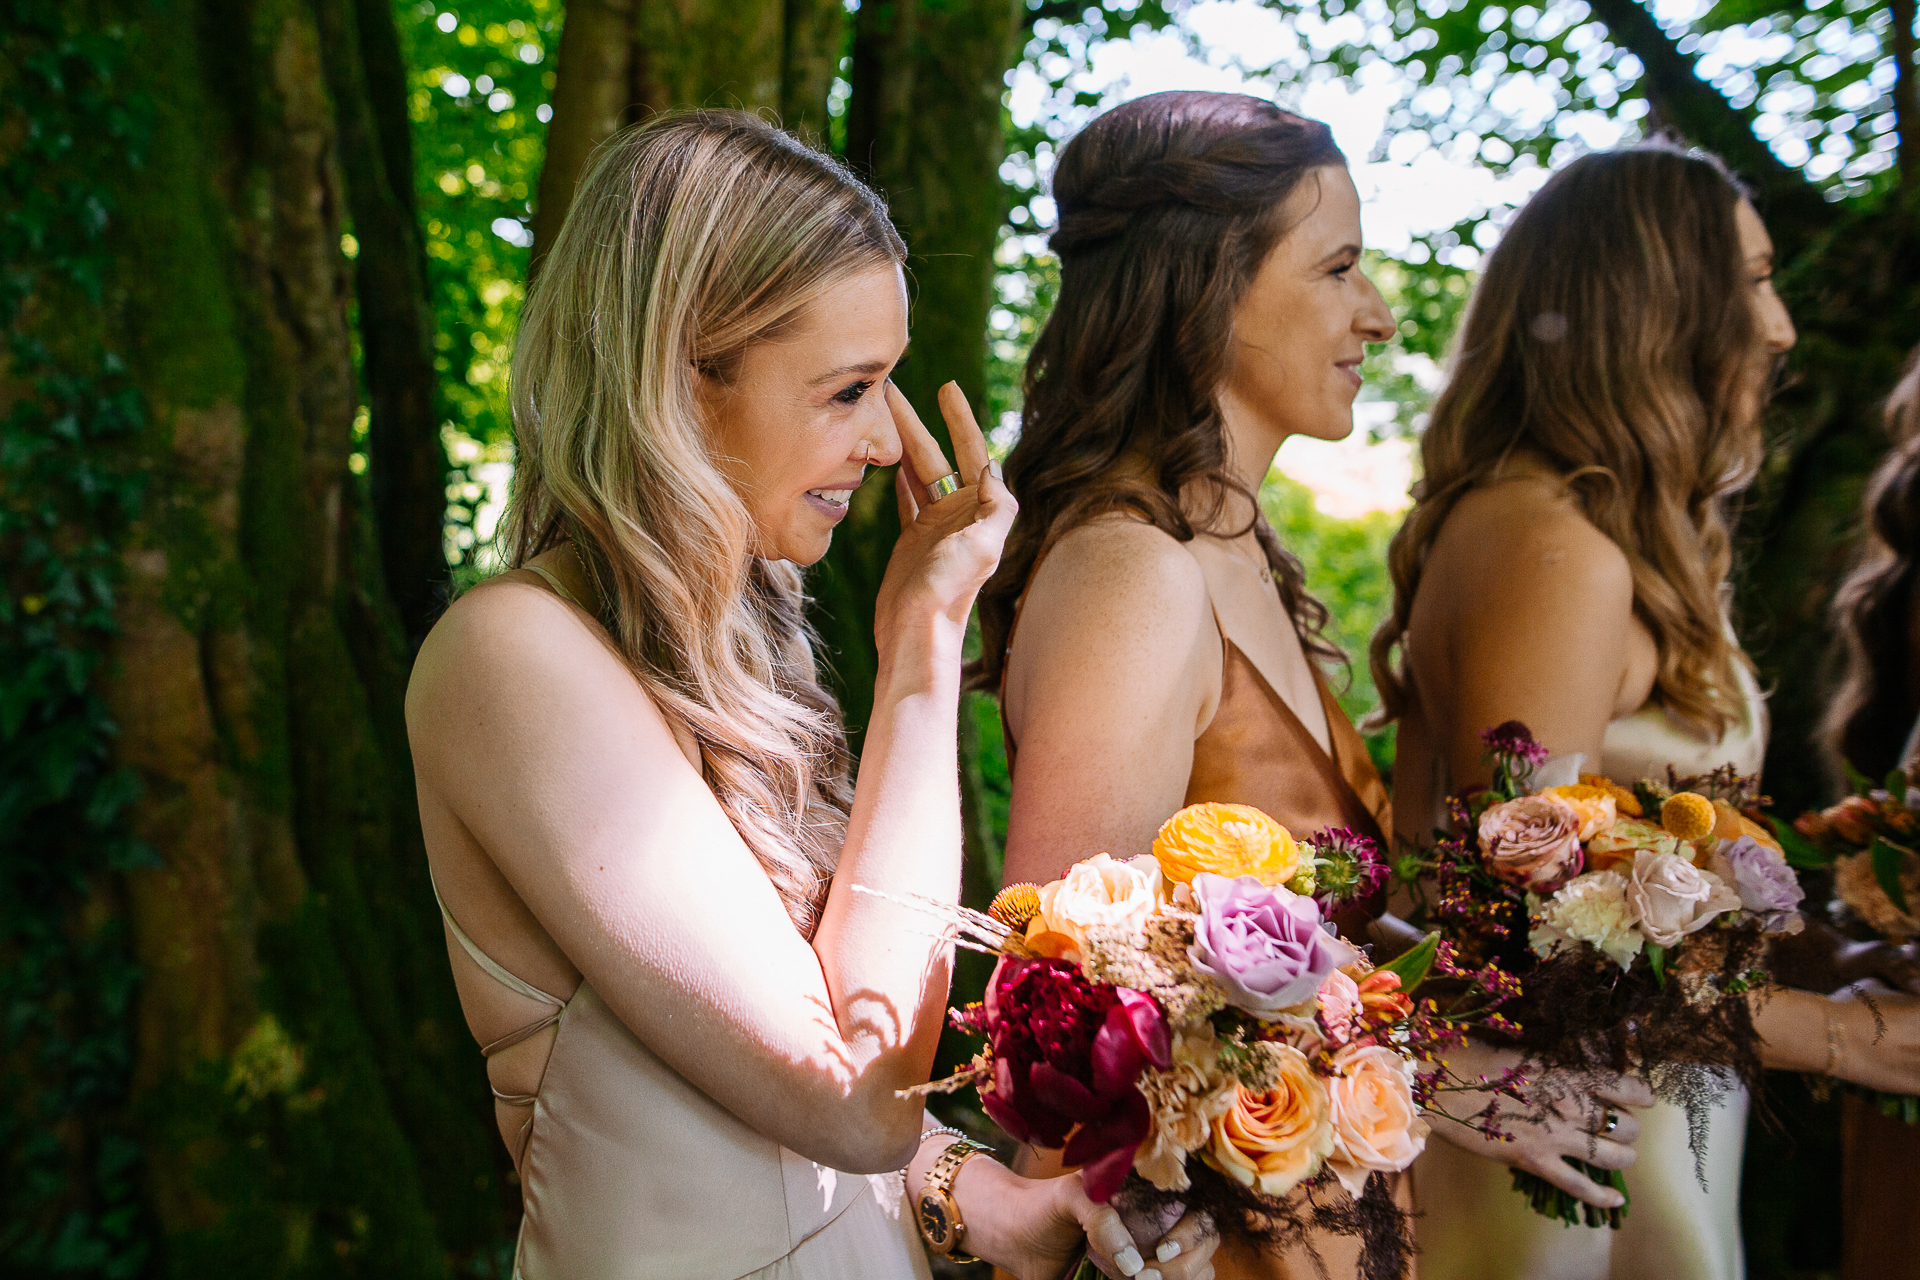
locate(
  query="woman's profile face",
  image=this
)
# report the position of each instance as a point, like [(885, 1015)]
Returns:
[(1756, 256), (805, 413), (1301, 330)]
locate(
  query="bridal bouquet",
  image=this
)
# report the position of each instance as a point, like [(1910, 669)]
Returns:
[(1636, 920), (1871, 843), (1186, 1028)]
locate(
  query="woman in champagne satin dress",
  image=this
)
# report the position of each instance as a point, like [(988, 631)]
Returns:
[(1565, 565), (638, 808)]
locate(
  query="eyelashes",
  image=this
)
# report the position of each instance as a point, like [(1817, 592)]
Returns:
[(852, 394)]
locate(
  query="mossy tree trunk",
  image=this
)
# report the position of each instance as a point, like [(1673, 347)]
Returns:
[(302, 1091)]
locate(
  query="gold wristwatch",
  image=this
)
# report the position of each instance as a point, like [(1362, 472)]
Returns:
[(935, 1211)]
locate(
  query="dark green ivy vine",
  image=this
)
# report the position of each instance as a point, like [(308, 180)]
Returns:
[(70, 491)]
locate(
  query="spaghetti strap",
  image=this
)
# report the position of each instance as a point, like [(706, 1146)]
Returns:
[(493, 970), (559, 588)]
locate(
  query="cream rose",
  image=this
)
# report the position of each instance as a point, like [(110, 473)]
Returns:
[(1099, 891), (1376, 1126), (1592, 909), (1674, 898), (1274, 1141)]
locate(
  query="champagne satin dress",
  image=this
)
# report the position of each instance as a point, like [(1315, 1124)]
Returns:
[(1256, 751), (1474, 1226), (629, 1172)]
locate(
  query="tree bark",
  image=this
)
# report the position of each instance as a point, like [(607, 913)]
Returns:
[(407, 462), (1906, 94), (591, 93), (305, 1093)]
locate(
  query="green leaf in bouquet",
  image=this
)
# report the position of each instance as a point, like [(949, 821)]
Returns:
[(1896, 783), (1413, 964), (1801, 853), (1657, 961), (1860, 782), (1888, 859)]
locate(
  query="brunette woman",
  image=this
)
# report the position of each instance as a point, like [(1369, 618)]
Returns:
[(1565, 564), (643, 828), (1153, 643), (1873, 724)]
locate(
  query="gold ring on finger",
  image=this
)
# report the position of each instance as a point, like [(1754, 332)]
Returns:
[(1612, 1121), (946, 484)]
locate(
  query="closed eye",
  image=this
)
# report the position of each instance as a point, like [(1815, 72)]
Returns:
[(851, 395)]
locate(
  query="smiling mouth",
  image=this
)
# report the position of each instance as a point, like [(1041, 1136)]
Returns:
[(832, 497)]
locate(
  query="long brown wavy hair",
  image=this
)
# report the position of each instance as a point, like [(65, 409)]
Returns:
[(1611, 336), (1167, 207), (1868, 720), (689, 240)]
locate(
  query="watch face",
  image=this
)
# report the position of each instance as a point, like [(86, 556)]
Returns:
[(937, 1220)]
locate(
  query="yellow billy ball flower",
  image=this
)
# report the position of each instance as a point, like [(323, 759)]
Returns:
[(1688, 816)]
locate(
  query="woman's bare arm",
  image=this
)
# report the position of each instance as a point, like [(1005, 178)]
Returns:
[(1114, 672)]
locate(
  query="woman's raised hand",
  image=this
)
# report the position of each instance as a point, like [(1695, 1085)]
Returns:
[(948, 548), (1588, 1118)]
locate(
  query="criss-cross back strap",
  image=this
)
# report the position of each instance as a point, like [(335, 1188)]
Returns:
[(511, 982)]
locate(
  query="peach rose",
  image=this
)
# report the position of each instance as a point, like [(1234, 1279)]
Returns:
[(1532, 842), (1227, 840), (1376, 1125), (1618, 843), (1099, 891), (1276, 1140), (1596, 807)]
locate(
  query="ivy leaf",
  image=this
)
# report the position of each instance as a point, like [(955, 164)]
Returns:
[(1801, 852)]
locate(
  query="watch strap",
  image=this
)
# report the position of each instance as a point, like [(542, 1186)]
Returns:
[(939, 1188)]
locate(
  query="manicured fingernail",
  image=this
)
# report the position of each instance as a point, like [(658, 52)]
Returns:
[(1149, 1274), (1128, 1260), (995, 468), (1168, 1251)]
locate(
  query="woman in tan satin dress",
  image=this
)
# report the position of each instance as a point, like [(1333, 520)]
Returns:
[(649, 849), (1167, 652)]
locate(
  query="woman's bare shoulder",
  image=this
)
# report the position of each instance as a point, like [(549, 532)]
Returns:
[(1125, 562), (1528, 525)]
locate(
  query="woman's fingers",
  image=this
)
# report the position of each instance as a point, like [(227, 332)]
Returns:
[(1109, 1238), (969, 445), (1574, 1183), (904, 495), (921, 451), (1604, 1152), (1186, 1252), (1625, 1091)]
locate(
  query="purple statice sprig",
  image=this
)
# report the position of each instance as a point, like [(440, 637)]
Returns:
[(1513, 753), (1348, 867)]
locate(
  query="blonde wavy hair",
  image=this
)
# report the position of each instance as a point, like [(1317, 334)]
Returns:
[(689, 240), (1613, 337)]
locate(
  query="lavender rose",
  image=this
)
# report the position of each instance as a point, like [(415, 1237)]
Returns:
[(1674, 897), (1532, 842), (1265, 945), (1765, 883)]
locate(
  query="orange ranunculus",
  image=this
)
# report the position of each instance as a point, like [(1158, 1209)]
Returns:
[(1623, 799), (1597, 807), (1731, 824), (1616, 845), (1098, 891), (1276, 1140), (1228, 840)]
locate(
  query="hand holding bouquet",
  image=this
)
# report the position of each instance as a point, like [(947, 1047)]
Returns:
[(1186, 1028), (1635, 919)]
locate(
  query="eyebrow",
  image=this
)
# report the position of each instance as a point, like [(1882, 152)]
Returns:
[(1341, 252), (869, 366), (1762, 259)]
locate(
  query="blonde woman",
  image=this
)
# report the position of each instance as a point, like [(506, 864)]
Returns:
[(1565, 564), (638, 807)]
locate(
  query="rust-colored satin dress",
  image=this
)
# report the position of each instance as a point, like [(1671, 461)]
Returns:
[(1256, 751)]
